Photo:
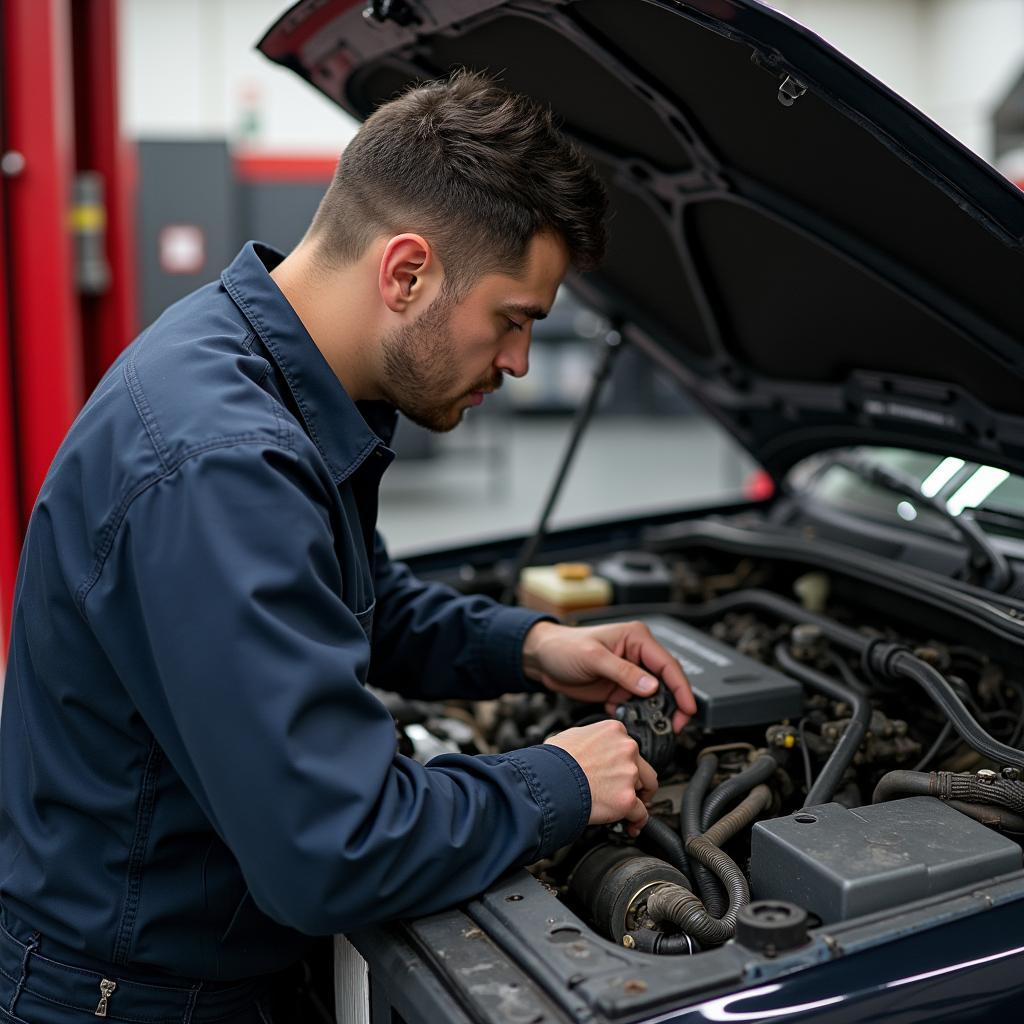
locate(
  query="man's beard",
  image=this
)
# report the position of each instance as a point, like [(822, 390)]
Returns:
[(421, 369)]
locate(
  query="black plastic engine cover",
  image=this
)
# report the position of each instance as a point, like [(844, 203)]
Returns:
[(731, 689)]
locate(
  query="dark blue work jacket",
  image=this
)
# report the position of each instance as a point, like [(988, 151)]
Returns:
[(193, 770)]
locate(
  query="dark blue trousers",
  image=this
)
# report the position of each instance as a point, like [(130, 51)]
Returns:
[(38, 986)]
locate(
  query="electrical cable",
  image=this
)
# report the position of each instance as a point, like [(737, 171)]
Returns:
[(934, 748), (806, 754), (860, 718)]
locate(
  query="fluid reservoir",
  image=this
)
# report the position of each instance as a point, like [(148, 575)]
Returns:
[(563, 588)]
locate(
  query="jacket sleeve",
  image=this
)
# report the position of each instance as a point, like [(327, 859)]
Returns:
[(228, 632), (431, 642)]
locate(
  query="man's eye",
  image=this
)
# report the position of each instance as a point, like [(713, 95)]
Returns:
[(512, 325)]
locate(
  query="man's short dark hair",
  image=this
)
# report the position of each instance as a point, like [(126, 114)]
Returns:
[(476, 169)]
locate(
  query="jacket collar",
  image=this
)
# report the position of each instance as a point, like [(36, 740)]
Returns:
[(335, 423)]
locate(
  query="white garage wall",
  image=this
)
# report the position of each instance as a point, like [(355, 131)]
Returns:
[(188, 69), (953, 59), (188, 66)]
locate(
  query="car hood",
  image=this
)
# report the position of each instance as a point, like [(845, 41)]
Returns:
[(813, 258)]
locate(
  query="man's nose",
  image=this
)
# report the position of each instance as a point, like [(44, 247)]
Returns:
[(514, 358)]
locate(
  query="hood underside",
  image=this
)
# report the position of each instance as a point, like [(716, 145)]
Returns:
[(813, 258)]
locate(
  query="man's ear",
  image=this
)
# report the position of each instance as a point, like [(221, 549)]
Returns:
[(404, 266)]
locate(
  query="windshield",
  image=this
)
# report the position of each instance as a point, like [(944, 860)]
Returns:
[(995, 496)]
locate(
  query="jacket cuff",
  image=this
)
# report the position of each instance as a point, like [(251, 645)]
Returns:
[(500, 652), (560, 789)]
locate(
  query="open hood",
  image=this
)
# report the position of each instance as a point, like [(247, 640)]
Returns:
[(818, 262)]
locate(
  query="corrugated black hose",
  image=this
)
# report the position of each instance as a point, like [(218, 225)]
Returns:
[(727, 793), (951, 786), (993, 803), (677, 905), (690, 821)]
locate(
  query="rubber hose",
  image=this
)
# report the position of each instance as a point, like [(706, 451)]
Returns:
[(951, 786), (679, 906), (668, 842), (646, 940), (676, 945), (742, 816), (844, 751), (693, 800), (895, 661), (993, 817), (726, 794)]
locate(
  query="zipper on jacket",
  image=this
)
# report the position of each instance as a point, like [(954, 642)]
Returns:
[(106, 991)]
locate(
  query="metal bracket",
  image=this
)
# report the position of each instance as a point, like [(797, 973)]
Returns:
[(790, 91)]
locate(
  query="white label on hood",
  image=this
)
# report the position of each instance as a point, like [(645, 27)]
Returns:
[(902, 411)]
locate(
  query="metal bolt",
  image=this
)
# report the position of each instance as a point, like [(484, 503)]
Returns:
[(987, 776), (628, 941), (12, 163), (1011, 774)]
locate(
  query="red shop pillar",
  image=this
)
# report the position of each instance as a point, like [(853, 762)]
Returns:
[(108, 312), (10, 509), (44, 320)]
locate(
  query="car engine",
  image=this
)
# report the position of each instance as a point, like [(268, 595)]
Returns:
[(852, 750)]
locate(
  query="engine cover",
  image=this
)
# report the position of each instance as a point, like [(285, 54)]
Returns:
[(840, 863), (731, 690)]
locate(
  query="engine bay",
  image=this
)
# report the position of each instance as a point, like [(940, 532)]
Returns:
[(849, 754)]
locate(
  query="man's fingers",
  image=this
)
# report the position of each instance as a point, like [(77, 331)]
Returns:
[(636, 818), (641, 680), (656, 658), (648, 780), (634, 679), (617, 697)]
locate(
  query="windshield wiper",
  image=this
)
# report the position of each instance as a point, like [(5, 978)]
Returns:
[(984, 554)]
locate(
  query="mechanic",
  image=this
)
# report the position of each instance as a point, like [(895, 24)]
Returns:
[(195, 776)]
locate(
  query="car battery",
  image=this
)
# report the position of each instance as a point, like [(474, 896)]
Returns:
[(840, 863), (731, 689)]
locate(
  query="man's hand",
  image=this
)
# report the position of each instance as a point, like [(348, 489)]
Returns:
[(608, 663), (621, 781)]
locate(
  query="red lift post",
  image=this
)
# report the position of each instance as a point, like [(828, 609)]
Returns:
[(109, 318), (58, 78), (10, 510), (44, 311)]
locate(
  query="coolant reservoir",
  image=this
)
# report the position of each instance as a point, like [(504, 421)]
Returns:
[(563, 588)]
